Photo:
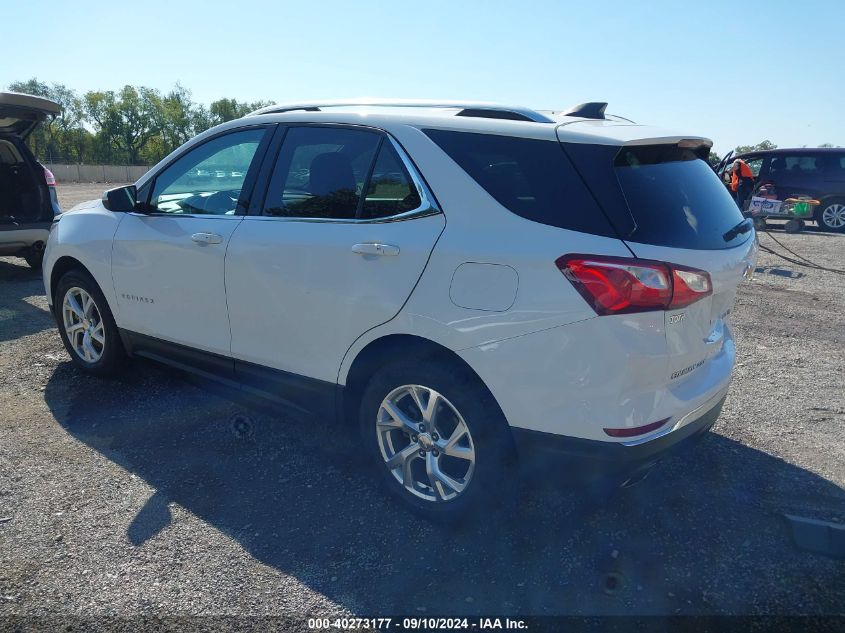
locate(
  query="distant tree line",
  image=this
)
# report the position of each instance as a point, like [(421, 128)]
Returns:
[(139, 126), (132, 126)]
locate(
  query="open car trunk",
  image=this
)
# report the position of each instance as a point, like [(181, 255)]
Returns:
[(20, 113), (24, 198)]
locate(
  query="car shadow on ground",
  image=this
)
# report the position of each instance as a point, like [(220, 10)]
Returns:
[(18, 317), (703, 534)]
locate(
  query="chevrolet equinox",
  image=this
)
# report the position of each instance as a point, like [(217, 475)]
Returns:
[(471, 285)]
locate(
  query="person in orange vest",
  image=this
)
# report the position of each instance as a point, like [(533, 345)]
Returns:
[(742, 181)]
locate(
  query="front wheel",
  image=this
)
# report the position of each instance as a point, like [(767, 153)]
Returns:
[(831, 215), (437, 437), (87, 326)]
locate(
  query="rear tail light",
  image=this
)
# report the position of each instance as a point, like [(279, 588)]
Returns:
[(621, 285), (49, 177), (688, 286)]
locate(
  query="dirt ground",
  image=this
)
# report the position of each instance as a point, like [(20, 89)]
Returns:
[(154, 494)]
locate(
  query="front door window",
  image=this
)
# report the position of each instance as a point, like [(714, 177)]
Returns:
[(209, 178)]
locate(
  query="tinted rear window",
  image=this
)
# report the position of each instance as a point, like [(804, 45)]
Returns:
[(675, 199), (532, 178)]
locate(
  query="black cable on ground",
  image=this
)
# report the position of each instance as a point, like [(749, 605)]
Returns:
[(806, 263), (790, 251)]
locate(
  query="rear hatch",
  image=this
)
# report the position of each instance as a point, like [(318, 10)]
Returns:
[(21, 113), (668, 205)]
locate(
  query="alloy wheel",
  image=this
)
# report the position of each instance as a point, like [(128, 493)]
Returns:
[(83, 325), (833, 216), (425, 443)]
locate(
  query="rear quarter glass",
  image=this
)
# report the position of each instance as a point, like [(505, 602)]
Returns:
[(532, 178), (660, 194)]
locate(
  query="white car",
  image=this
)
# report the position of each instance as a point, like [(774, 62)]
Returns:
[(518, 284)]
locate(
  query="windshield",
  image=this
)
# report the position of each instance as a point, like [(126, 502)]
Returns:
[(675, 198)]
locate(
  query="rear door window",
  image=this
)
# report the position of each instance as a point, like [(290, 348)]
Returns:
[(800, 164), (390, 190), (320, 172), (755, 165)]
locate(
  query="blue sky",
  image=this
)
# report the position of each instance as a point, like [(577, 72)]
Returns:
[(737, 71)]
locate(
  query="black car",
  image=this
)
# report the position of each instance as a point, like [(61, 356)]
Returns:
[(818, 173), (28, 198)]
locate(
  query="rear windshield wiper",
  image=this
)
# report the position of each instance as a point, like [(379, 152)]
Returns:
[(742, 227)]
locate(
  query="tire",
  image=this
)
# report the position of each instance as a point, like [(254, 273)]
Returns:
[(830, 215), (479, 462), (90, 322), (34, 257)]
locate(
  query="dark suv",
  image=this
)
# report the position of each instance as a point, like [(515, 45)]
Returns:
[(819, 173)]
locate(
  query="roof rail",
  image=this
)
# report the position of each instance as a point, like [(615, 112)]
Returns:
[(467, 108)]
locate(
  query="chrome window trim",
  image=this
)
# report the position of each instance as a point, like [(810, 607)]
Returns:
[(407, 215), (206, 216), (428, 203)]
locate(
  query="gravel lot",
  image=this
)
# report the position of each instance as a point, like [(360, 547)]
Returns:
[(158, 495)]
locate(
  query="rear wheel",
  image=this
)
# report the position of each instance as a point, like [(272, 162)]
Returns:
[(831, 215), (437, 437), (87, 326)]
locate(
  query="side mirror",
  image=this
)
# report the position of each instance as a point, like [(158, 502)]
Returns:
[(120, 199)]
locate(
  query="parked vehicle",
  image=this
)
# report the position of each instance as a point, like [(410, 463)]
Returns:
[(469, 284), (817, 173), (28, 198)]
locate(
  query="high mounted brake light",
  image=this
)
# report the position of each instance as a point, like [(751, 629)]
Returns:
[(622, 285)]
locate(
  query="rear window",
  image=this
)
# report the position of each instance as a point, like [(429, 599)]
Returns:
[(532, 178), (675, 199)]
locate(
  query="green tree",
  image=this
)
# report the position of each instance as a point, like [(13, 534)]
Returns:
[(176, 119), (139, 125), (64, 136), (201, 118), (714, 159), (744, 149), (128, 120), (224, 110)]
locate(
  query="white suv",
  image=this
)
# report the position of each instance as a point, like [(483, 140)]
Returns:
[(468, 283)]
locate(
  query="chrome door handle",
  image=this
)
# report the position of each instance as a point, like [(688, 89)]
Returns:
[(207, 238), (373, 248)]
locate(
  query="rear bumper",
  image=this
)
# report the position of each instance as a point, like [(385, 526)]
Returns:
[(15, 240), (540, 451)]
